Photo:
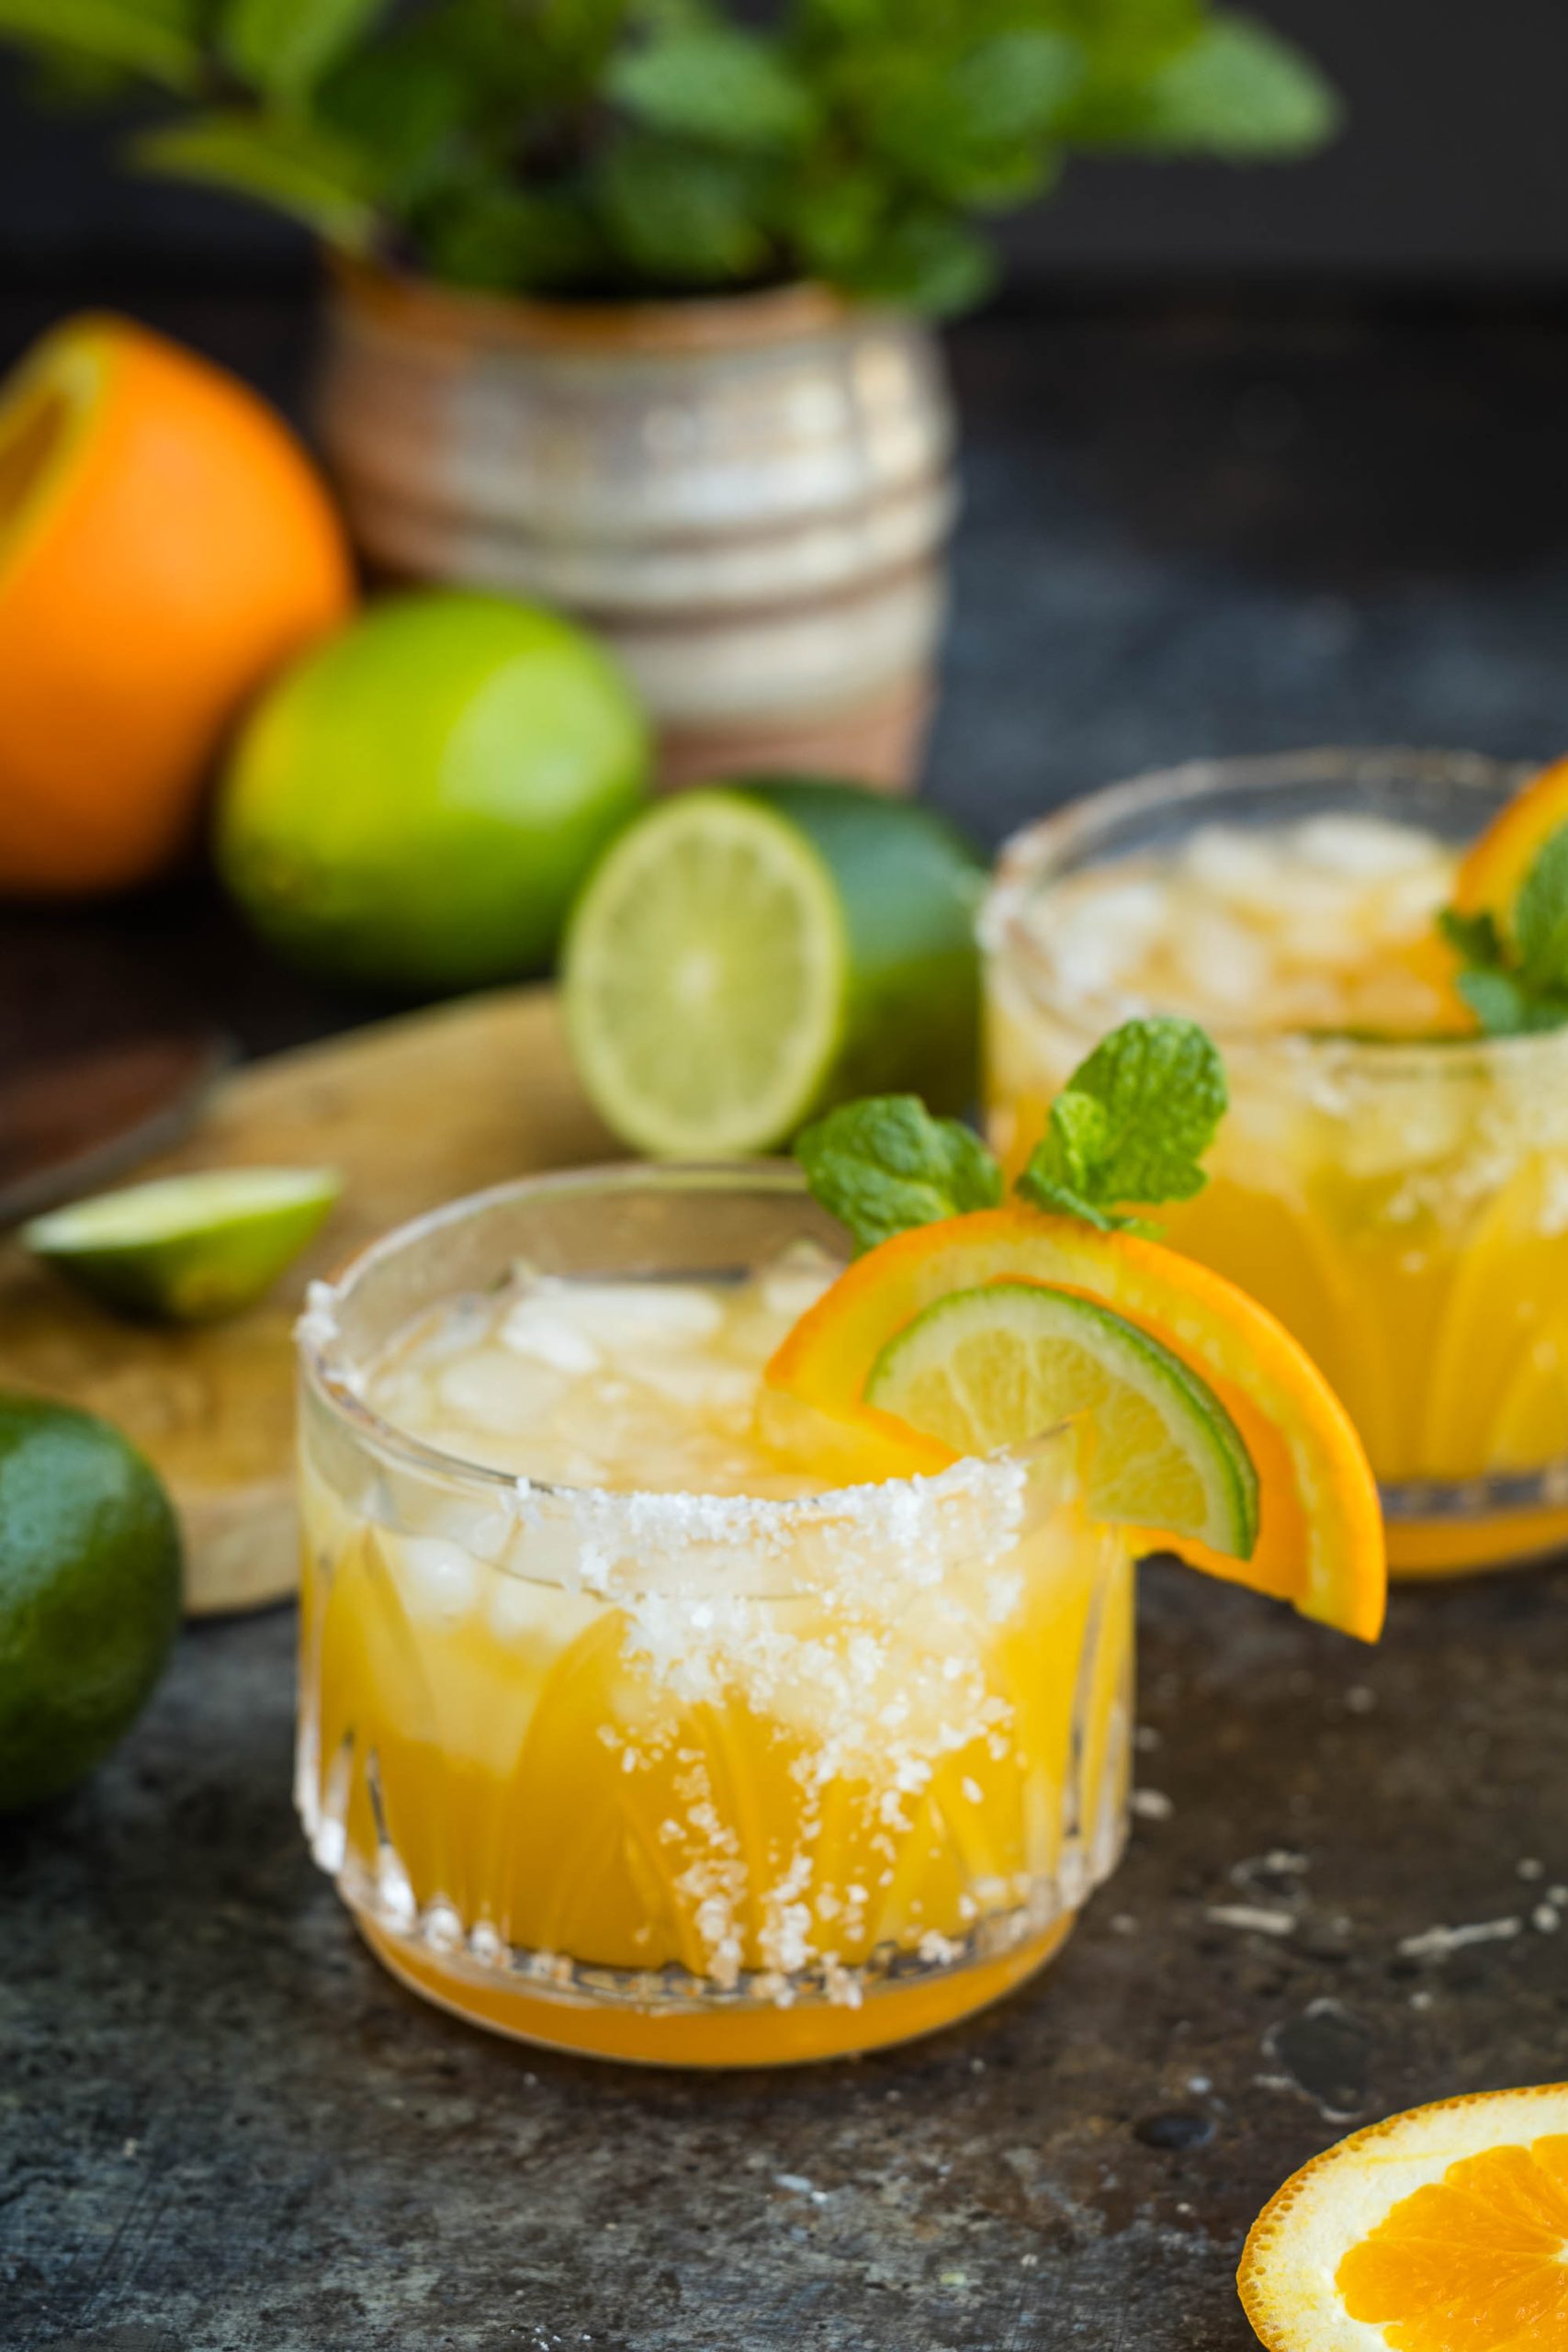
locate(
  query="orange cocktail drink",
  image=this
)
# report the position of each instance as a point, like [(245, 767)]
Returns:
[(621, 1730), (1393, 1188)]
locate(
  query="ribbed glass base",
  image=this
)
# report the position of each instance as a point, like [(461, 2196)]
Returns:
[(680, 2022)]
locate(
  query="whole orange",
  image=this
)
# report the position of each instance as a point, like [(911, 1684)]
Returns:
[(164, 545)]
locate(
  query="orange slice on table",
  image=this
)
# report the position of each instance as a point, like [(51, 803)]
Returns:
[(1494, 867), (1443, 2229), (1319, 1542)]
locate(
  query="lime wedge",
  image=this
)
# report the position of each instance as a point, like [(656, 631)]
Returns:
[(187, 1249), (999, 1364), (746, 956)]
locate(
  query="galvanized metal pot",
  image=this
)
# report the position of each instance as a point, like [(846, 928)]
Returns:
[(748, 496)]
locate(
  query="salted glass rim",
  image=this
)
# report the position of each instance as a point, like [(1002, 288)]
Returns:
[(1031, 859), (327, 1364)]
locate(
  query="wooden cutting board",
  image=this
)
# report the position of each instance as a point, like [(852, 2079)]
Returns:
[(414, 1111)]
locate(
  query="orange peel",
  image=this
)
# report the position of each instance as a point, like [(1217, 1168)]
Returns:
[(164, 546), (1320, 1542), (1494, 867), (1444, 2229)]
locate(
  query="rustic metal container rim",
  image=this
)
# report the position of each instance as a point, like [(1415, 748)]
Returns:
[(424, 307)]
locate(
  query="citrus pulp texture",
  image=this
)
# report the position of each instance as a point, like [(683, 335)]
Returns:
[(1442, 2230), (748, 955), (982, 1368), (1320, 1541)]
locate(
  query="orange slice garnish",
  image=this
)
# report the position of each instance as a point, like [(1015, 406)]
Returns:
[(1445, 2228), (1494, 866), (1320, 1542)]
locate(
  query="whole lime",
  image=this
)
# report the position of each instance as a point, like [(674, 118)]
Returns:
[(414, 805), (89, 1593)]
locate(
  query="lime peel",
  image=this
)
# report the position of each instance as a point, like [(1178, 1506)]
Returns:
[(89, 1593), (187, 1249), (1003, 1363)]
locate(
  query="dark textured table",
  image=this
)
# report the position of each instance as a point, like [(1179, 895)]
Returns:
[(221, 2125), (226, 2130)]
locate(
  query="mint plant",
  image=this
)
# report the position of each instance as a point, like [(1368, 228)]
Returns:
[(625, 148)]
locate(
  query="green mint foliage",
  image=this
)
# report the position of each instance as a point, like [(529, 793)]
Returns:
[(1132, 1124), (284, 47), (1474, 938), (157, 40), (1506, 1008), (1517, 985), (616, 148), (883, 1164), (1235, 90), (696, 227), (717, 83), (291, 165), (1540, 918)]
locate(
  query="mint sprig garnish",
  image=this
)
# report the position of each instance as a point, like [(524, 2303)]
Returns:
[(883, 1164), (1516, 985), (1131, 1125)]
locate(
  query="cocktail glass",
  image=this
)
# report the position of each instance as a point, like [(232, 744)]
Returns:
[(1401, 1205), (705, 1779)]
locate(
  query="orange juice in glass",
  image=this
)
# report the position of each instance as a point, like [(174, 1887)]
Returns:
[(1393, 1188), (619, 1734)]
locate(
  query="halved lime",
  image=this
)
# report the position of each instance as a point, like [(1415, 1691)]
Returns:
[(187, 1249), (1004, 1362), (748, 955)]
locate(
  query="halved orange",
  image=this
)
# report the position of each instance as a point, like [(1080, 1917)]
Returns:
[(1320, 1541), (1494, 866), (164, 545), (1442, 2230)]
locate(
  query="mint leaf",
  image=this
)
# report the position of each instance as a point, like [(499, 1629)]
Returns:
[(285, 46), (291, 165), (1015, 86), (1497, 1001), (402, 115), (1132, 1124), (680, 216), (717, 83), (926, 258), (1541, 917), (619, 147), (1519, 985), (883, 1164), (1237, 89), (159, 38), (966, 121), (1506, 1008), (485, 233), (1475, 937)]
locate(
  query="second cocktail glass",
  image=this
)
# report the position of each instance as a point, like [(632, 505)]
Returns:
[(1400, 1202)]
